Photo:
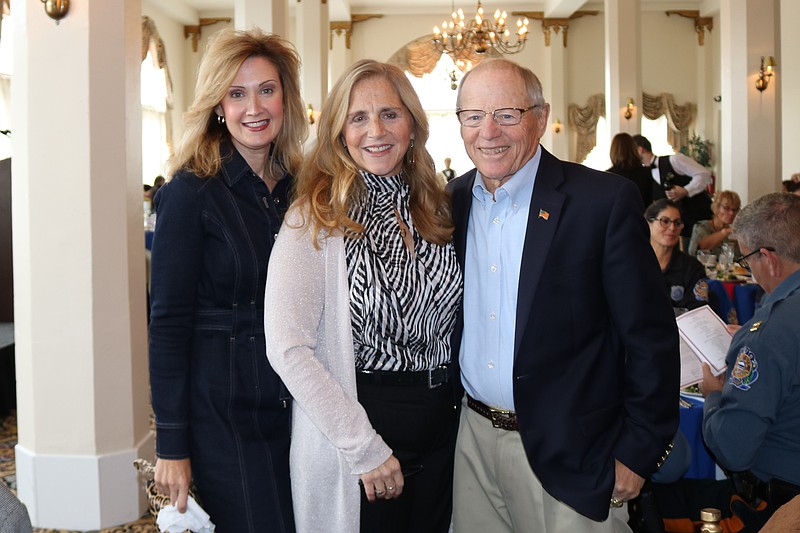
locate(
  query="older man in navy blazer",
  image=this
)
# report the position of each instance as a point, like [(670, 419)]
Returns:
[(568, 348)]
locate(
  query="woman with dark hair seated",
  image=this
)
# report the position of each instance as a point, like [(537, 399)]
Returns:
[(683, 274)]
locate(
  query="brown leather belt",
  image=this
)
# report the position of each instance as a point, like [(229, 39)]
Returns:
[(500, 419)]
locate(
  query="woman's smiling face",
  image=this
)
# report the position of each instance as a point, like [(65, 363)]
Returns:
[(377, 130), (253, 106)]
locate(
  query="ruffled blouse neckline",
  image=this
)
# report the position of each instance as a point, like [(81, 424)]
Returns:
[(386, 184)]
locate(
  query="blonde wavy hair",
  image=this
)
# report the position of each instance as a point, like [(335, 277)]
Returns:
[(328, 184), (198, 150)]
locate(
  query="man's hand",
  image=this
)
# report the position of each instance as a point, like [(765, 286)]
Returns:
[(627, 483), (676, 193), (710, 383), (173, 477)]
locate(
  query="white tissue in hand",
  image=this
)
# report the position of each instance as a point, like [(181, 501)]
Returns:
[(194, 519)]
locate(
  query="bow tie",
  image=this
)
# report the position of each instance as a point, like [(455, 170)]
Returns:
[(653, 164)]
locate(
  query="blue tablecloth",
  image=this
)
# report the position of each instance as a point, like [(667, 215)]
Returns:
[(702, 465)]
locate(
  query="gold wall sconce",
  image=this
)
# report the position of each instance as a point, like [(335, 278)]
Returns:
[(557, 126), (56, 9), (765, 72), (629, 109), (310, 114)]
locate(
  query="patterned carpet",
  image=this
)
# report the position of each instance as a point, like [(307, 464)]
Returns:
[(8, 475)]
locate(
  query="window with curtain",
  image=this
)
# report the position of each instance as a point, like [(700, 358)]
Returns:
[(656, 132), (599, 158), (439, 102), (155, 150)]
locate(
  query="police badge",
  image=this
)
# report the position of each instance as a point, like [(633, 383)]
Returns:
[(676, 293), (745, 369)]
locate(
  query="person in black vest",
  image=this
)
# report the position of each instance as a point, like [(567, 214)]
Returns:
[(681, 179), (448, 172)]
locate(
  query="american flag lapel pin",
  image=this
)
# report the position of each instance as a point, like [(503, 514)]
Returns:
[(544, 214)]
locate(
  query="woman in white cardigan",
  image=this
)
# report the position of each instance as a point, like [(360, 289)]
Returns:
[(366, 268)]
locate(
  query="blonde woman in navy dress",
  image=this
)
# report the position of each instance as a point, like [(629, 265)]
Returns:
[(222, 414), (364, 345)]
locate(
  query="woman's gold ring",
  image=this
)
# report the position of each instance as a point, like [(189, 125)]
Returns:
[(615, 503), (379, 492)]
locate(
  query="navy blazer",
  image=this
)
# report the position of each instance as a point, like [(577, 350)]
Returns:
[(596, 360)]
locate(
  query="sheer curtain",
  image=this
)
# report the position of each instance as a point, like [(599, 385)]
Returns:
[(156, 103)]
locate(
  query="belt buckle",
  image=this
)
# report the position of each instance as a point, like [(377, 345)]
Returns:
[(498, 417), (431, 384)]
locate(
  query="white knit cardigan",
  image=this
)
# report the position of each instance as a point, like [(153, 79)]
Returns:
[(310, 345)]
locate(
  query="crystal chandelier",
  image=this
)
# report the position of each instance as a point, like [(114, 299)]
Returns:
[(462, 39)]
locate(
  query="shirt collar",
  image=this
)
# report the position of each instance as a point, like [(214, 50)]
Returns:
[(234, 167), (519, 188), (786, 287)]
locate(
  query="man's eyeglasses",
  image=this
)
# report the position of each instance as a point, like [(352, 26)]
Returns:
[(506, 116), (665, 222), (742, 259)]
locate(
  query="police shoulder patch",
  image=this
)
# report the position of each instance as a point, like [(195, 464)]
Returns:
[(745, 369), (701, 291)]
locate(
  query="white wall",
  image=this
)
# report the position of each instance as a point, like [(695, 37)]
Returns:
[(669, 56), (585, 58), (787, 77)]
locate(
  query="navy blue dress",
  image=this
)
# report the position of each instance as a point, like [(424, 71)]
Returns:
[(215, 397)]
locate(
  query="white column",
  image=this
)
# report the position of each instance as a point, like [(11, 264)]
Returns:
[(750, 125), (787, 79), (555, 92), (79, 265), (270, 15), (339, 54), (623, 64), (312, 43)]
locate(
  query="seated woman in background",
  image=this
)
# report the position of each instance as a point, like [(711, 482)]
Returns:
[(683, 274), (710, 234), (625, 158)]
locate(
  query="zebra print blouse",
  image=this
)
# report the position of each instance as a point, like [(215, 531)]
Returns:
[(403, 304)]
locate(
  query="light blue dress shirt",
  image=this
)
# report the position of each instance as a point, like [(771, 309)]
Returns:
[(495, 238)]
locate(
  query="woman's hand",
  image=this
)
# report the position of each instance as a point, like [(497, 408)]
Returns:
[(173, 477), (385, 482)]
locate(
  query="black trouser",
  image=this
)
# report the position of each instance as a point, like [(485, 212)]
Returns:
[(420, 426)]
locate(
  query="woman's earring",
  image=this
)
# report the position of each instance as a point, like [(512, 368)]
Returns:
[(410, 159), (220, 119)]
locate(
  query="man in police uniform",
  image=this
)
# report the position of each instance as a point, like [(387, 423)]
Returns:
[(751, 419)]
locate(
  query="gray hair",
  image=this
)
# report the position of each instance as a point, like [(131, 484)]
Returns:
[(771, 221), (532, 84)]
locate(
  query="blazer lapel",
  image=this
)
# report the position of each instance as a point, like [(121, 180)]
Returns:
[(543, 219), (461, 199)]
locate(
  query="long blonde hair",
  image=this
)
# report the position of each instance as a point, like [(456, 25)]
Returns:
[(199, 148), (328, 183)]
